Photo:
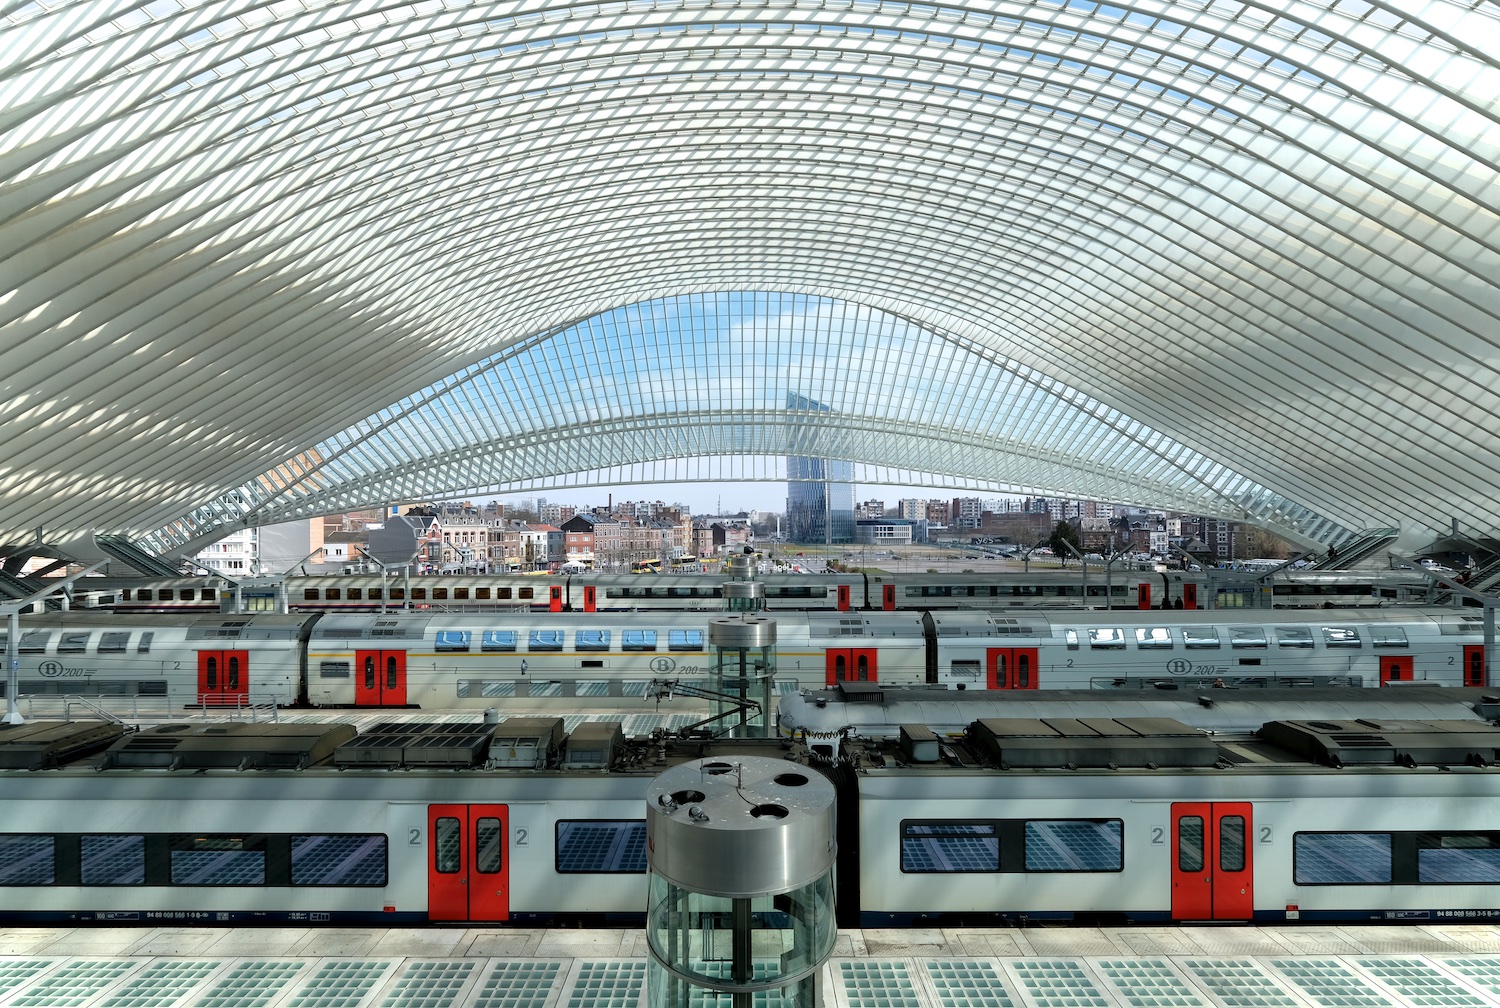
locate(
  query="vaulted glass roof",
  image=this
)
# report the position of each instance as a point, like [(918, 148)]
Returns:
[(265, 260)]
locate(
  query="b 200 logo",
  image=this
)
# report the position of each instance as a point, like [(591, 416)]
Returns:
[(663, 664), (1179, 666)]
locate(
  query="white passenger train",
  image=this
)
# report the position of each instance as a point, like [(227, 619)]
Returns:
[(1009, 820), (480, 660)]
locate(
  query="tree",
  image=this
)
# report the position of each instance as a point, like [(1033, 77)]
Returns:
[(1064, 536)]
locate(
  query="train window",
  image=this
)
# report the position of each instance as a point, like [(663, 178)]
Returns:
[(373, 594), (114, 642), (1387, 636), (73, 642), (333, 594), (1190, 843), (446, 855), (151, 687), (601, 846), (356, 594), (487, 850), (481, 593), (419, 594), (499, 640), (1458, 858), (1338, 636), (545, 640), (26, 859), (1232, 843), (461, 594), (684, 640), (591, 640), (1107, 637), (339, 859), (1341, 858), (217, 860), (1247, 637), (1071, 636), (1294, 636), (949, 847), (439, 594), (1200, 637), (107, 859), (34, 641), (452, 640), (1153, 637), (398, 593), (144, 645), (502, 593), (309, 594), (333, 670), (164, 595), (187, 594), (526, 593), (638, 640), (1075, 845)]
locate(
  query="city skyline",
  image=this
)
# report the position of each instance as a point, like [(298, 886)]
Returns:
[(706, 498)]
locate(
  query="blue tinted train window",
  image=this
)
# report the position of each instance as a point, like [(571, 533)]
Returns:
[(338, 859), (684, 640), (25, 859), (453, 640), (1458, 858), (616, 846), (218, 860), (592, 640), (638, 640), (949, 847), (1074, 845), (500, 640), (1341, 858), (112, 859), (545, 640)]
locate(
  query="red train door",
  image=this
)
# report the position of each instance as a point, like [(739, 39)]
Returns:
[(1011, 668), (380, 678), (590, 599), (1189, 595), (468, 871), (843, 602), (1395, 668), (1474, 665), (851, 665), (888, 597), (223, 678), (1212, 874), (1143, 595), (554, 598)]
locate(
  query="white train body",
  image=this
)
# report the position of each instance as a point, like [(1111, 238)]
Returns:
[(444, 661), (1095, 818)]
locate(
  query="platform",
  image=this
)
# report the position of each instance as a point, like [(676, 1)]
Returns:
[(1449, 966)]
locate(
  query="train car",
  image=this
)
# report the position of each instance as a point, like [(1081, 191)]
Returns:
[(185, 660), (439, 660), (1127, 816)]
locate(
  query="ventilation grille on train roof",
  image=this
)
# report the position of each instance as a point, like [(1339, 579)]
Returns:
[(1387, 743), (417, 744), (1071, 743), (228, 746)]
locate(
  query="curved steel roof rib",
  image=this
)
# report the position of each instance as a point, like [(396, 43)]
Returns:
[(267, 260)]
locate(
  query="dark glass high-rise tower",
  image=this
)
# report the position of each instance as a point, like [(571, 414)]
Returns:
[(820, 492)]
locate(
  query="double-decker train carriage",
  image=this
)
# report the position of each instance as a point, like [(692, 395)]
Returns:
[(856, 591), (1135, 817), (442, 661)]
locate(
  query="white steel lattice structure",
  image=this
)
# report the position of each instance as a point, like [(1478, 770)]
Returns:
[(268, 260)]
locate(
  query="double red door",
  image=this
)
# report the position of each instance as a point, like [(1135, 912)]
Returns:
[(1011, 668), (850, 665), (1212, 865), (223, 678), (468, 872), (380, 678)]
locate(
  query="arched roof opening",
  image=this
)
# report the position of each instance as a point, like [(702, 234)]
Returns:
[(1256, 239)]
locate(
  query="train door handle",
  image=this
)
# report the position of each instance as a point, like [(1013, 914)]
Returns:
[(463, 881)]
